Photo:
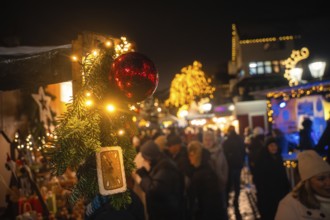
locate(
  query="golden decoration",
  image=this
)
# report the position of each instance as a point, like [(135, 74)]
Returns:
[(291, 62), (190, 84)]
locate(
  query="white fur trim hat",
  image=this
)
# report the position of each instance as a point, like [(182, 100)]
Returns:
[(311, 164)]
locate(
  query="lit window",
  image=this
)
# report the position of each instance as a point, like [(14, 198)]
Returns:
[(265, 67), (268, 67), (253, 71), (252, 68)]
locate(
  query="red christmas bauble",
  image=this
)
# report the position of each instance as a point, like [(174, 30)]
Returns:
[(135, 75)]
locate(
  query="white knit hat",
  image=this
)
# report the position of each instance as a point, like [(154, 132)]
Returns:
[(311, 164)]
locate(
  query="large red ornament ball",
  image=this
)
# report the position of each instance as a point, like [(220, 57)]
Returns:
[(135, 76)]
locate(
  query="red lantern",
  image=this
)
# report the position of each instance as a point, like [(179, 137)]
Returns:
[(134, 75)]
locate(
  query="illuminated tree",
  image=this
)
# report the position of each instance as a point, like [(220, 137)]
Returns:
[(190, 85)]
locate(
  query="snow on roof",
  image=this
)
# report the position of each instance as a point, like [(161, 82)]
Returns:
[(28, 67), (26, 50)]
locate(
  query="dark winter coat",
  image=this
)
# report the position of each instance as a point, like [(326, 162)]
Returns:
[(323, 142), (181, 160), (163, 186), (204, 194), (257, 144), (234, 149), (306, 140), (271, 182)]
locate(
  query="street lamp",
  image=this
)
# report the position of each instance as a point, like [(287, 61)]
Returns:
[(317, 69), (296, 74)]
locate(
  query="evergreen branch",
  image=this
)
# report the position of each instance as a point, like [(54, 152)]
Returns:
[(82, 130), (120, 200)]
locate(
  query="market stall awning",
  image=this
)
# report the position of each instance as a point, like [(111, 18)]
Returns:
[(28, 67), (318, 87)]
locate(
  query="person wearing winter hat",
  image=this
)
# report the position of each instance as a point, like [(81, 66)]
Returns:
[(143, 159), (177, 152), (310, 198), (150, 151), (162, 183)]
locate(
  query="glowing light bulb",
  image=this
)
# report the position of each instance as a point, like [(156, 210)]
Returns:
[(110, 108), (74, 58), (95, 53), (108, 44), (89, 103), (121, 132)]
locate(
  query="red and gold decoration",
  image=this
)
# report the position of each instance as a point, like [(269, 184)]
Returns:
[(134, 75), (99, 117)]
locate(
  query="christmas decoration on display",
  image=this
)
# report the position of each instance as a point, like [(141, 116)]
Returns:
[(43, 102), (110, 170), (93, 122), (134, 75)]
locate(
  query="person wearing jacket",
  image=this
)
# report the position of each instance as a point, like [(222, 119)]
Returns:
[(203, 192), (323, 145), (310, 198), (271, 180), (234, 150), (162, 183), (219, 164)]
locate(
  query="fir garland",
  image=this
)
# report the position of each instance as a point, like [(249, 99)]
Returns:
[(82, 130)]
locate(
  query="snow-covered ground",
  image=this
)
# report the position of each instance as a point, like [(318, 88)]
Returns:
[(247, 200)]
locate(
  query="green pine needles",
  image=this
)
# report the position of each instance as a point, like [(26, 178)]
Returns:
[(86, 126)]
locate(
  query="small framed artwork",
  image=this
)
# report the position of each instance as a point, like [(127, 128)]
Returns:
[(110, 170)]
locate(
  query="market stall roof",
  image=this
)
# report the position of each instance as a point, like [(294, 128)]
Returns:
[(27, 67), (319, 87)]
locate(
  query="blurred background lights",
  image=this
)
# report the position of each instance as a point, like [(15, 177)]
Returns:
[(282, 104), (66, 91)]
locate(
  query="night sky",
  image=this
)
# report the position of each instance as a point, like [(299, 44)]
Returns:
[(171, 35)]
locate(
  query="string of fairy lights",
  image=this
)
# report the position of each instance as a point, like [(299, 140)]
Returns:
[(121, 46), (320, 88), (189, 84)]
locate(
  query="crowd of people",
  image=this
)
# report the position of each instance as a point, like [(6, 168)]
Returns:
[(207, 168), (190, 177)]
